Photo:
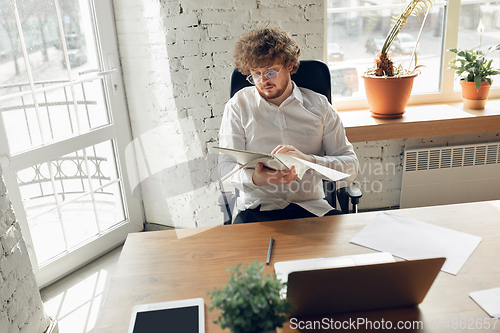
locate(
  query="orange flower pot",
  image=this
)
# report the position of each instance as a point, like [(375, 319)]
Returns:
[(388, 96), (474, 99)]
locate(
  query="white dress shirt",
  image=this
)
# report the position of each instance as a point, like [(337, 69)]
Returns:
[(305, 120)]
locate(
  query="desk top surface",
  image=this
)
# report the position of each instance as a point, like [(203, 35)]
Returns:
[(169, 265)]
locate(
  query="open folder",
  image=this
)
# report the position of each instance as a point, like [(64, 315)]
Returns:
[(249, 160)]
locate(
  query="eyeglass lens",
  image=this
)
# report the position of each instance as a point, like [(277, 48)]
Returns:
[(270, 75)]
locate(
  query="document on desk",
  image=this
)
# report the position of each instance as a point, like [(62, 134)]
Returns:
[(411, 239), (488, 300)]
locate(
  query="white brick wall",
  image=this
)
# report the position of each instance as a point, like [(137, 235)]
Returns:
[(21, 308), (176, 60)]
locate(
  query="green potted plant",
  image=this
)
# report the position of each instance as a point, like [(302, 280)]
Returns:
[(474, 72), (388, 87), (250, 302)]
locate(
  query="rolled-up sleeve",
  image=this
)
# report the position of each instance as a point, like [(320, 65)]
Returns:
[(232, 135)]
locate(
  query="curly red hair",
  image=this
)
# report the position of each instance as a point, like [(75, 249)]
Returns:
[(262, 47)]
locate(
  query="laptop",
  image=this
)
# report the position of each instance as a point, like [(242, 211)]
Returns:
[(364, 287)]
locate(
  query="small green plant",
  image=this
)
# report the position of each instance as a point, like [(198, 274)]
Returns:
[(472, 65), (250, 302)]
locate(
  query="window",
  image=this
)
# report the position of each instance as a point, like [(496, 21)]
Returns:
[(63, 131), (356, 30)]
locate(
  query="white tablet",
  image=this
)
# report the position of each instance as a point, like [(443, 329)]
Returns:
[(186, 316)]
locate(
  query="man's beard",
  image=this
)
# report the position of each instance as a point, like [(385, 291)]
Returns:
[(276, 93)]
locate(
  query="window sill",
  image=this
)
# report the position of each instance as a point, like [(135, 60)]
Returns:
[(422, 121)]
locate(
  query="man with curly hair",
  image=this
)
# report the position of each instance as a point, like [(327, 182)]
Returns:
[(275, 116)]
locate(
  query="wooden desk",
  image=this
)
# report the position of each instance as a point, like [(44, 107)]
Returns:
[(157, 266)]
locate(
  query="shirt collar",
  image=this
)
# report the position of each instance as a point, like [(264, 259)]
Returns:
[(296, 94)]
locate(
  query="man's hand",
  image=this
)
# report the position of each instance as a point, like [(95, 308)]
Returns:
[(292, 151), (265, 176)]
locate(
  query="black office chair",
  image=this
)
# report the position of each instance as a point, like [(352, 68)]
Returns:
[(313, 75)]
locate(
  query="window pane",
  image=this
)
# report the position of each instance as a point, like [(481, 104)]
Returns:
[(355, 36), (61, 211), (12, 67), (79, 220), (20, 122), (41, 34), (468, 36), (43, 38), (47, 236), (56, 114), (57, 117), (91, 105), (102, 166), (109, 206)]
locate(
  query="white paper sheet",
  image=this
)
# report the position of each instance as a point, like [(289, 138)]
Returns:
[(283, 268), (331, 174), (488, 300), (411, 239)]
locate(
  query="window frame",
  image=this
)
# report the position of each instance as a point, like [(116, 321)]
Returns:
[(447, 94), (118, 131)]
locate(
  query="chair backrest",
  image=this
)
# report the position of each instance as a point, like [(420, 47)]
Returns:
[(312, 74)]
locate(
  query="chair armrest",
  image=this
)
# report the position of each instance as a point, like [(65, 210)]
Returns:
[(226, 202), (353, 192), (329, 187), (346, 193), (225, 198)]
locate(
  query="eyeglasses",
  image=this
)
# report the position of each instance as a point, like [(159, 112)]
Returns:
[(270, 75)]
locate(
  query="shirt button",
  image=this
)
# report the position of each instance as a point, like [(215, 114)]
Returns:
[(284, 128)]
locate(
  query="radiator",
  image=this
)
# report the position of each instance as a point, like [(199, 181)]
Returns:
[(451, 174)]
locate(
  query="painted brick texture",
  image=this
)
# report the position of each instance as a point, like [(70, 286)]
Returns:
[(21, 308)]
